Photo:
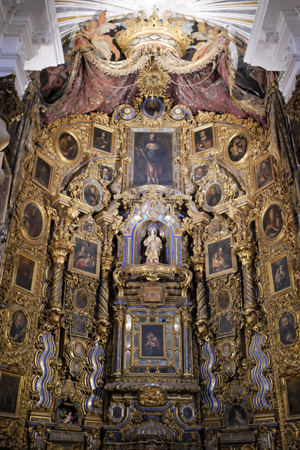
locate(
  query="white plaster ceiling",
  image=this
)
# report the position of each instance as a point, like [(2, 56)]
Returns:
[(237, 16)]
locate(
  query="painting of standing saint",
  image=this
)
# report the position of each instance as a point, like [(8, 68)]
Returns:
[(153, 159)]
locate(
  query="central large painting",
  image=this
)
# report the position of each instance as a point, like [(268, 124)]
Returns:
[(153, 158)]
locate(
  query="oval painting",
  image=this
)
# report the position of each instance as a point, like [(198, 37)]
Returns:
[(237, 148), (272, 221), (32, 221), (81, 299), (213, 195), (223, 299), (92, 195), (68, 146)]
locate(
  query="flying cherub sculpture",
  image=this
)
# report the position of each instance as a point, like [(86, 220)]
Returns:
[(96, 33)]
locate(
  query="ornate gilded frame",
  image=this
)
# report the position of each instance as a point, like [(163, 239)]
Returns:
[(244, 133), (34, 273), (42, 211), (272, 281), (71, 132), (294, 395), (283, 217), (9, 316), (112, 133), (50, 164), (218, 243), (72, 258), (193, 138), (168, 129), (19, 390), (256, 164)]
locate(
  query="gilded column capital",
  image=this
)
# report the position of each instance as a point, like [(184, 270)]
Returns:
[(59, 249), (199, 265), (245, 250), (119, 314)]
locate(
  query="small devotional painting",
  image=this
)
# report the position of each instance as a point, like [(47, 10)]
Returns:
[(152, 341), (92, 194), (225, 325), (280, 275), (102, 139), (264, 173), (18, 327), (219, 258), (85, 258), (237, 148), (153, 158), (199, 172), (79, 325), (42, 173), (32, 221), (203, 139), (81, 299), (272, 221), (68, 146), (25, 272), (9, 394), (237, 416), (287, 330), (152, 107), (292, 389), (213, 195), (223, 299)]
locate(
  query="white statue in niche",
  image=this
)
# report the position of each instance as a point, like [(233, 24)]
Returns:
[(153, 246)]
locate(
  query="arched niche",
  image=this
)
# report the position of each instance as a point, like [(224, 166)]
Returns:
[(141, 234), (136, 230)]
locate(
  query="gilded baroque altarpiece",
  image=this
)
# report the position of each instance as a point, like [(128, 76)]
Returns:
[(150, 283)]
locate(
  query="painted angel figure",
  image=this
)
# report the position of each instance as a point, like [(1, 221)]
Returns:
[(103, 43)]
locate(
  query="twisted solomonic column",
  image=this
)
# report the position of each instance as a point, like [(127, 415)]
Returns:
[(59, 249), (102, 314), (245, 250), (202, 310)]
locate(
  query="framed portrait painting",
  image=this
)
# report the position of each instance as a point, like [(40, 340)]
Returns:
[(237, 148), (223, 299), (219, 258), (263, 173), (281, 278), (10, 388), (18, 327), (102, 139), (33, 221), (152, 341), (213, 195), (42, 173), (203, 139), (81, 299), (68, 146), (287, 330), (79, 325), (25, 273), (225, 324), (153, 158), (92, 194), (272, 221), (291, 397), (85, 257)]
